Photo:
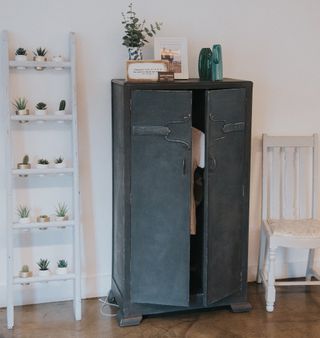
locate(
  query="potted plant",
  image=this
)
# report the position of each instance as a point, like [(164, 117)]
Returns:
[(43, 265), (25, 272), (43, 163), (136, 33), (23, 213), (21, 56), (21, 106), (39, 55), (62, 108), (25, 163), (59, 162), (62, 268), (41, 108), (61, 212)]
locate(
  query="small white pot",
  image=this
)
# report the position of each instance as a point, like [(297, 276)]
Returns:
[(62, 271), (60, 112), (44, 273), (24, 220), (60, 165), (42, 166), (57, 58), (21, 58), (61, 218), (40, 112)]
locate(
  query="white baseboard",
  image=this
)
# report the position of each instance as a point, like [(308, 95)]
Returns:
[(92, 286)]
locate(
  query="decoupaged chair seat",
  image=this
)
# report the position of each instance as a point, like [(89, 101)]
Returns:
[(289, 207)]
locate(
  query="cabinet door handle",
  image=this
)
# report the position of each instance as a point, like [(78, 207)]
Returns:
[(184, 167)]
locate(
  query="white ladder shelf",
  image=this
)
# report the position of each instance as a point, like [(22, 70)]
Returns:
[(14, 174)]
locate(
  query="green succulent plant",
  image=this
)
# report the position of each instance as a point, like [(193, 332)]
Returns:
[(61, 210), (23, 211), (62, 105), (25, 268), (21, 51), (135, 31), (40, 52), (43, 161), (43, 264), (20, 103), (62, 263), (41, 106), (58, 160)]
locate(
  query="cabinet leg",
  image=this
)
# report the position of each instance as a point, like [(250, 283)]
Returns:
[(128, 321), (111, 298), (241, 307)]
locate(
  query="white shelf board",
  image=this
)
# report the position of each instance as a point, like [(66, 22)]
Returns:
[(38, 118), (38, 279), (37, 225), (46, 171), (45, 64)]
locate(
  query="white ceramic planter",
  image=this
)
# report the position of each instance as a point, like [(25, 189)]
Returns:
[(60, 165), (44, 273), (21, 58), (40, 112), (42, 166), (62, 271), (24, 220), (61, 218), (57, 58), (60, 112)]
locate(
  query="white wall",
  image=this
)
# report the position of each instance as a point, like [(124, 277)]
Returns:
[(273, 43)]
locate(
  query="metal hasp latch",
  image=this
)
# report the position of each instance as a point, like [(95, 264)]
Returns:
[(165, 131), (228, 127)]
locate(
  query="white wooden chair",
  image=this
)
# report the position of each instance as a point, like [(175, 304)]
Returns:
[(289, 206)]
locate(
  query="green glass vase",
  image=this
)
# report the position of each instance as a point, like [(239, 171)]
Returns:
[(217, 71), (205, 64)]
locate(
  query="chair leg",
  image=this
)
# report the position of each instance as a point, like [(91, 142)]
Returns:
[(271, 290), (261, 254), (309, 272)]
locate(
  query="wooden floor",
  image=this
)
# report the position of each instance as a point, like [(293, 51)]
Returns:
[(297, 315)]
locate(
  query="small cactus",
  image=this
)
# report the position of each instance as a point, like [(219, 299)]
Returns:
[(62, 105), (25, 159), (25, 268)]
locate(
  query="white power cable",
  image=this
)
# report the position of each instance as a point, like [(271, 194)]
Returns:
[(104, 304)]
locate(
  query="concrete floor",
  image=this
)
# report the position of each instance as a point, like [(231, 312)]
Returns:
[(297, 315)]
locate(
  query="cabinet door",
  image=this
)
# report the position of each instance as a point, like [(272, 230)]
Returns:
[(226, 176), (160, 196)]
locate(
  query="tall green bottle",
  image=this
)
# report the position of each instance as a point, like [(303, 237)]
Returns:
[(217, 71)]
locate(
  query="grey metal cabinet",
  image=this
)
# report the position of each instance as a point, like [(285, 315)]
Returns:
[(157, 265)]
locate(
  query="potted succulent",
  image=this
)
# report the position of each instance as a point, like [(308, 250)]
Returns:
[(62, 268), (21, 106), (136, 33), (21, 56), (59, 162), (39, 55), (23, 213), (62, 108), (43, 265), (43, 163), (43, 219), (61, 212), (25, 272), (41, 108), (25, 163)]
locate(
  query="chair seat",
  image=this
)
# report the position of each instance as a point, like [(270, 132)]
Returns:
[(306, 228)]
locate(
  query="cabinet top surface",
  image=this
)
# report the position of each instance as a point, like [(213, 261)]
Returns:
[(184, 84)]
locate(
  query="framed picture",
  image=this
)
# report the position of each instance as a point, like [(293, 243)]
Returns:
[(175, 51), (145, 70)]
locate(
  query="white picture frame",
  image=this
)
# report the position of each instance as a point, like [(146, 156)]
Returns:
[(174, 50)]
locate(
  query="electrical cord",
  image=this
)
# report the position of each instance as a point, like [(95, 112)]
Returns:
[(104, 304)]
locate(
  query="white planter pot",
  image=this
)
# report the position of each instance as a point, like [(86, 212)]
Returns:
[(21, 58), (40, 112), (57, 58), (61, 271), (61, 218), (24, 220), (60, 112), (44, 273), (60, 165), (42, 166)]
